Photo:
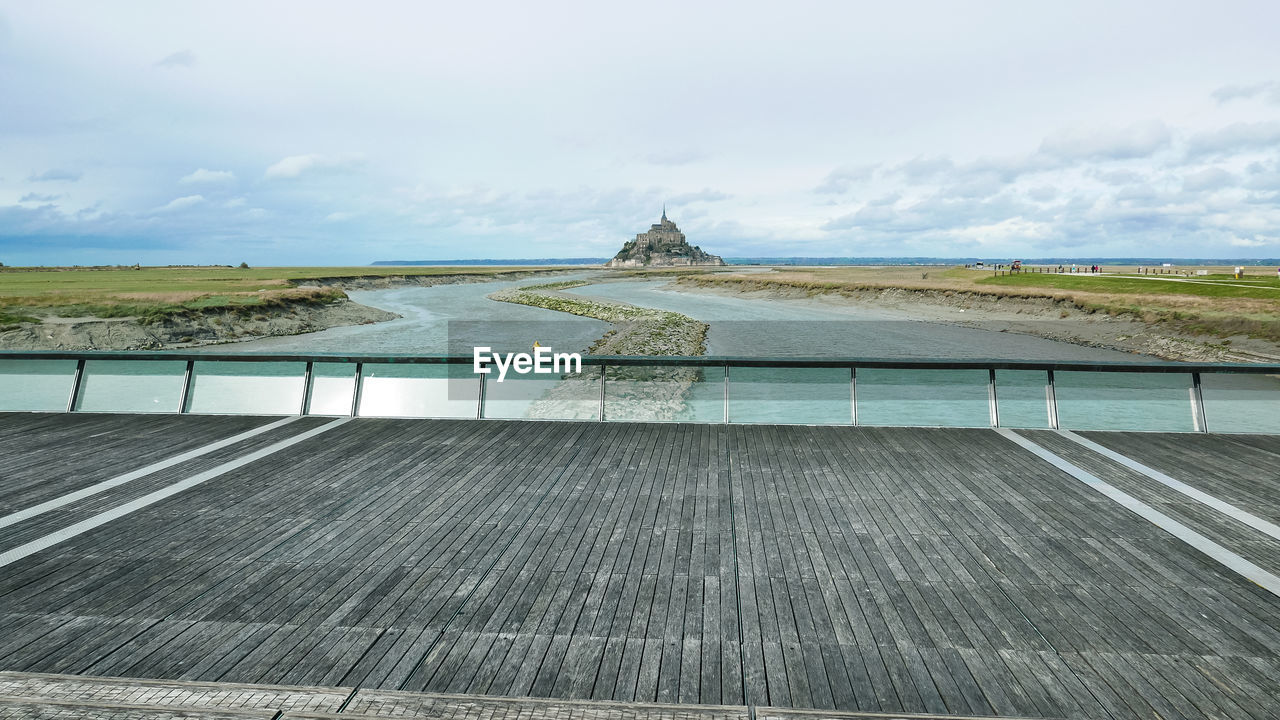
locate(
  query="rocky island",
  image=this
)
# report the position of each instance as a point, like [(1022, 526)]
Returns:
[(662, 245)]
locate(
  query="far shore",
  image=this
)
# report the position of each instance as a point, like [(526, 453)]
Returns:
[(226, 305), (173, 308), (1219, 321)]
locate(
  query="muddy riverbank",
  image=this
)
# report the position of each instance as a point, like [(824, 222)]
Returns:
[(282, 317), (1047, 318), (127, 333)]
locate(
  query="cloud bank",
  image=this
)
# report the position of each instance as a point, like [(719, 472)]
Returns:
[(843, 130)]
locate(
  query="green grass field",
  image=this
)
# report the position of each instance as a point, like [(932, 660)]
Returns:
[(1214, 305), (154, 293), (1223, 286)]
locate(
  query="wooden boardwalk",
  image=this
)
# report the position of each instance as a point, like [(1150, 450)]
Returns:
[(855, 569)]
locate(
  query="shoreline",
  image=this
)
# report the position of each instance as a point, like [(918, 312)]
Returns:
[(1048, 318), (647, 394), (210, 328), (636, 330), (218, 326)]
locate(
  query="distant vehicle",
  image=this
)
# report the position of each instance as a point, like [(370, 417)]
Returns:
[(1017, 265), (978, 264)]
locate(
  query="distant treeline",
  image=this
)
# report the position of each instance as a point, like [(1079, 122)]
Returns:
[(492, 261), (868, 261)]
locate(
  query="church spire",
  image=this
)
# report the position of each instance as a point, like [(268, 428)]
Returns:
[(664, 211)]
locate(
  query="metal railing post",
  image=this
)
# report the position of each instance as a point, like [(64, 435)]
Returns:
[(1197, 405), (726, 392), (992, 404), (603, 368), (306, 389), (187, 377), (480, 398), (355, 392), (75, 386), (853, 395), (1051, 401)]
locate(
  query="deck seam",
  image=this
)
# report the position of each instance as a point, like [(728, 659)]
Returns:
[(1213, 550), (13, 555), (1222, 506), (100, 487)]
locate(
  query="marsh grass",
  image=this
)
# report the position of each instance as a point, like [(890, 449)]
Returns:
[(157, 294), (1213, 305)]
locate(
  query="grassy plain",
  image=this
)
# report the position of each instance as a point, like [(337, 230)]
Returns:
[(1215, 304), (154, 293)]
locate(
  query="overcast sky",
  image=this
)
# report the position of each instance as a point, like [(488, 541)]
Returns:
[(335, 133)]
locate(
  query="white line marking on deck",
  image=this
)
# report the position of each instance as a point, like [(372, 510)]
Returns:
[(1221, 506), (120, 511), (83, 493), (1236, 563)]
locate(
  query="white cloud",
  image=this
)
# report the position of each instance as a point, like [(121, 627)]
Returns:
[(209, 177), (297, 165), (567, 132), (1208, 179), (55, 175), (334, 217), (1135, 141), (703, 195), (1253, 242), (1043, 193), (1002, 232), (1241, 136), (840, 180), (1267, 90), (38, 198), (181, 203), (922, 168), (684, 156)]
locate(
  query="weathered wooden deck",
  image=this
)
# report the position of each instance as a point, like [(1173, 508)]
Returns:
[(857, 569)]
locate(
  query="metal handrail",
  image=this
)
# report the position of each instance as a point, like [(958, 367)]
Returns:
[(189, 359), (1159, 366)]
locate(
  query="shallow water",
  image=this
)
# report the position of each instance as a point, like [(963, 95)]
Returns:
[(819, 327), (431, 314), (816, 327), (453, 318)]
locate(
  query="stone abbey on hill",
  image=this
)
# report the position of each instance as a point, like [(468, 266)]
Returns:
[(662, 245)]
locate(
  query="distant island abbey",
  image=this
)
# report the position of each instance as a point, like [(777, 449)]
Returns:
[(663, 244)]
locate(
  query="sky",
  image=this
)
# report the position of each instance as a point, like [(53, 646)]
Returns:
[(287, 133)]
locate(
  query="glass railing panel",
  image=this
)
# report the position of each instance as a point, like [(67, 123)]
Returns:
[(1022, 399), (946, 398), (1243, 403), (653, 393), (36, 385), (246, 388), (131, 386), (333, 387), (559, 396), (817, 396), (418, 390), (1124, 401)]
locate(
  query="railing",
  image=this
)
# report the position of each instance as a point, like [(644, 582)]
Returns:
[(851, 391)]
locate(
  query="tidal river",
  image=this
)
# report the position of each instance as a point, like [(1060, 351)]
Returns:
[(452, 318), (431, 314)]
